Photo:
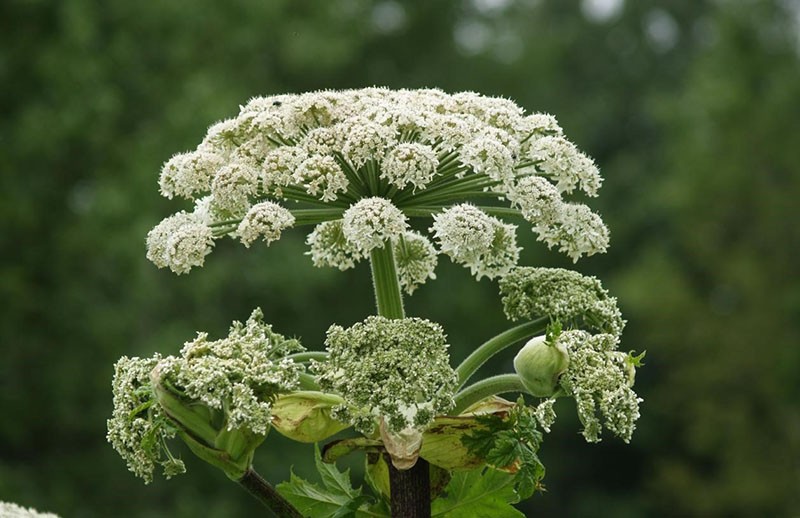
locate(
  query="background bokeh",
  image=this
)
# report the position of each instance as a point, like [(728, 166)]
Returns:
[(691, 108)]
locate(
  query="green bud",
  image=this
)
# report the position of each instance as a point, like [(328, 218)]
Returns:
[(305, 416), (539, 364)]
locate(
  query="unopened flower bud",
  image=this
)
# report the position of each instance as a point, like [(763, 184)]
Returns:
[(539, 364)]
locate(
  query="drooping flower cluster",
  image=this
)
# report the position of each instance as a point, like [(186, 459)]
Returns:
[(238, 375), (600, 378), (573, 299), (224, 385), (396, 371), (11, 510), (376, 157), (138, 427)]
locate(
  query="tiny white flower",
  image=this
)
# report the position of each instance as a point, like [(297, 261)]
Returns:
[(464, 232), (233, 186), (559, 159), (577, 232), (187, 174), (416, 259), (321, 176)]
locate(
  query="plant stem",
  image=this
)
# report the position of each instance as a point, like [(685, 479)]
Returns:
[(388, 298), (485, 388), (410, 489), (309, 355), (496, 344), (266, 494)]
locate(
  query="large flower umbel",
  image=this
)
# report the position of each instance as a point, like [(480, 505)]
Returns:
[(358, 163)]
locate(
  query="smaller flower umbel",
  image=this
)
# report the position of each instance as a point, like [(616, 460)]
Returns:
[(393, 374), (216, 396)]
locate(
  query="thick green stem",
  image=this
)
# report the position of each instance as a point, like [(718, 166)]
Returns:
[(267, 495), (485, 388), (410, 488), (388, 298), (496, 344)]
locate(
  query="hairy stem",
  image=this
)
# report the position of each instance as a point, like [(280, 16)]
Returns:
[(496, 344), (266, 494), (487, 387), (388, 298)]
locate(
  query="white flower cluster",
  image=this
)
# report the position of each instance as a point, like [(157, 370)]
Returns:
[(370, 222), (600, 378), (395, 370), (235, 379), (329, 246), (238, 375), (180, 242), (415, 149), (573, 299), (483, 243), (265, 219), (138, 427), (416, 258), (11, 510)]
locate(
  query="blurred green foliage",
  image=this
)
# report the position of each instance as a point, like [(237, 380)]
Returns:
[(689, 106)]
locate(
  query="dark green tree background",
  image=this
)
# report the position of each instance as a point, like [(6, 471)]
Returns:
[(689, 106)]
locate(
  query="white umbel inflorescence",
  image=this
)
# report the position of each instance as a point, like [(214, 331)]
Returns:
[(421, 150)]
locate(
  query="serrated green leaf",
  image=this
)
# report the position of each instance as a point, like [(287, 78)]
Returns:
[(478, 494), (335, 499), (310, 499), (333, 479)]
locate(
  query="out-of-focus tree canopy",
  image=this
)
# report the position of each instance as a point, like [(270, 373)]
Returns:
[(690, 108)]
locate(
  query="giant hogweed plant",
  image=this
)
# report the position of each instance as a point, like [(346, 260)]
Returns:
[(356, 168)]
